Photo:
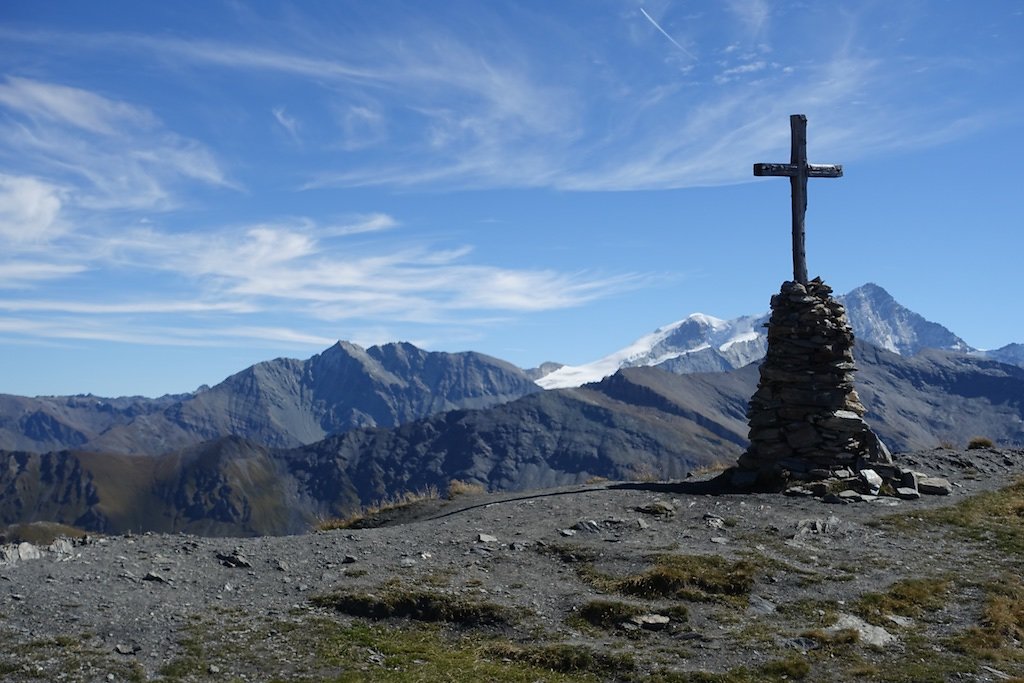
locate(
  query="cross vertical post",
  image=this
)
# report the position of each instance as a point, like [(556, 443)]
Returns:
[(798, 171)]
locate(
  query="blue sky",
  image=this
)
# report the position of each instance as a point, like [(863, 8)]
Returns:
[(188, 188)]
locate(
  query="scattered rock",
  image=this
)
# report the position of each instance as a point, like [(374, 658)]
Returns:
[(872, 480), (589, 526), (659, 508), (486, 538), (901, 621), (759, 605), (1001, 675), (934, 486), (155, 577), (713, 521), (870, 635), (234, 560), (651, 622), (61, 546), (907, 493)]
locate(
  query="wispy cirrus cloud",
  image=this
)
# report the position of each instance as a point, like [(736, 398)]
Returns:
[(483, 108), (289, 123), (304, 274), (29, 209), (102, 329), (103, 153), (21, 274)]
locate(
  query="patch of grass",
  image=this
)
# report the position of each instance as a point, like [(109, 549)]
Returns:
[(995, 518), (563, 658), (979, 442), (64, 657), (699, 578), (790, 668), (420, 605), (568, 553), (607, 614), (316, 649), (907, 598), (365, 515), (716, 467), (643, 472), (457, 487), (831, 640), (192, 661), (39, 533), (819, 613), (1000, 632)]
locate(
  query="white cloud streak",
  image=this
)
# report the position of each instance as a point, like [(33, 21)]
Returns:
[(478, 113), (105, 154), (289, 123), (665, 33), (29, 209)]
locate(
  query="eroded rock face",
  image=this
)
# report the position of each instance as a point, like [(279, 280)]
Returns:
[(806, 419)]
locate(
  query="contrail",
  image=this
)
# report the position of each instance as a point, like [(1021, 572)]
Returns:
[(670, 38)]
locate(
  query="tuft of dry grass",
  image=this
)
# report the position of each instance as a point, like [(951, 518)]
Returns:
[(699, 578), (457, 487), (907, 598), (643, 472), (979, 442), (39, 533), (1000, 631), (420, 605), (565, 658), (995, 518), (395, 502), (716, 467)]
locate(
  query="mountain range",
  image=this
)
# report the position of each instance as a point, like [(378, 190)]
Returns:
[(702, 343), (286, 442), (278, 403)]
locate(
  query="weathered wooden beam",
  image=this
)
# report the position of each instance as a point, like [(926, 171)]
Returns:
[(798, 171)]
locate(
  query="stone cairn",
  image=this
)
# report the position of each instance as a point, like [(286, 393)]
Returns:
[(806, 420), (806, 415)]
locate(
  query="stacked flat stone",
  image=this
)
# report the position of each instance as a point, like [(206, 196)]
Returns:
[(806, 420)]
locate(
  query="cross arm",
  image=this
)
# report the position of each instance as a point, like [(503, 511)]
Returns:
[(775, 169), (791, 170), (824, 170)]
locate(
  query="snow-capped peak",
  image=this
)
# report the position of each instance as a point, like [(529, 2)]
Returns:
[(703, 343), (696, 334)]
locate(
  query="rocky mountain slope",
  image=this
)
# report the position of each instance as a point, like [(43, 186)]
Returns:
[(651, 424), (633, 582), (640, 423), (279, 403)]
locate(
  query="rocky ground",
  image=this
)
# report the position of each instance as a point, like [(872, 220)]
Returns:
[(653, 581)]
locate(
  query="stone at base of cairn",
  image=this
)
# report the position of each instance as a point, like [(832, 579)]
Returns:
[(806, 420)]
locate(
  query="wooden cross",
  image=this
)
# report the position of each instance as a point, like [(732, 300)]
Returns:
[(798, 171)]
